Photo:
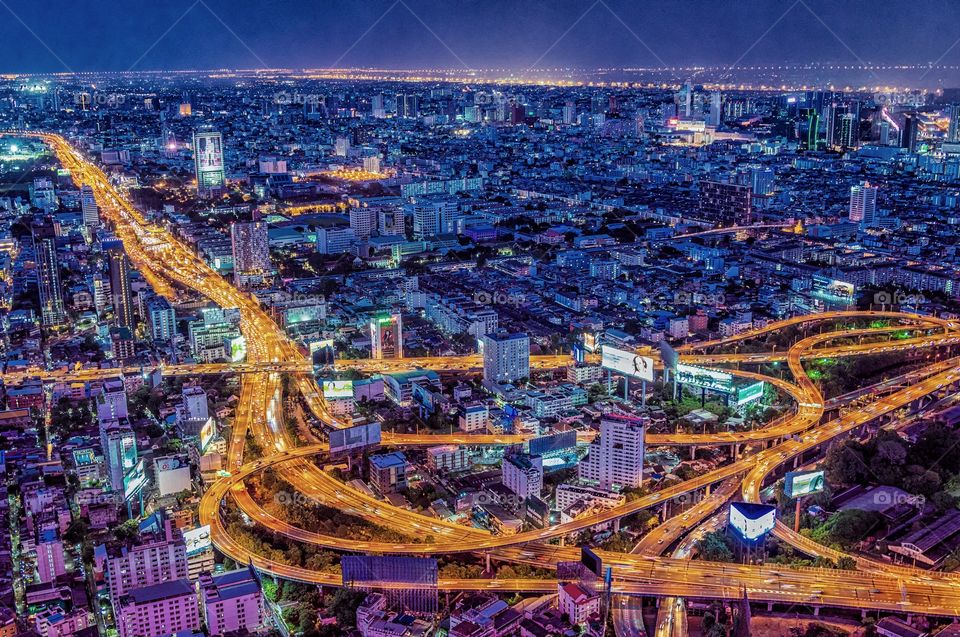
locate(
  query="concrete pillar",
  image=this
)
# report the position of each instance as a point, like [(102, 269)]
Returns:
[(488, 561), (816, 611), (616, 525)]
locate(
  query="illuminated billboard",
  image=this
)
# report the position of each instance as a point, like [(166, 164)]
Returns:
[(752, 521), (337, 389), (237, 347), (798, 483), (386, 337), (322, 352), (207, 432), (197, 540), (626, 363), (590, 341), (134, 480), (750, 393), (208, 159), (713, 379), (357, 437)]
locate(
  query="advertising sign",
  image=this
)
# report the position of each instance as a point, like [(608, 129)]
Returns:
[(750, 393), (337, 389), (590, 341), (707, 378), (798, 483), (752, 521), (197, 540), (134, 480), (626, 363), (237, 348), (322, 352), (358, 437), (207, 432), (386, 337)]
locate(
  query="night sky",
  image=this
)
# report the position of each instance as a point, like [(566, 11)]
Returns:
[(114, 35)]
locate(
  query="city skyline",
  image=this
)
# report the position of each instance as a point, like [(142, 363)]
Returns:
[(515, 39)]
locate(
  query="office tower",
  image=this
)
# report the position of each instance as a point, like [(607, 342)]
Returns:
[(953, 129), (386, 336), (523, 475), (716, 109), (863, 204), (231, 602), (813, 129), (363, 221), (569, 113), (433, 216), (91, 213), (195, 406), (48, 274), (727, 204), (377, 108), (506, 357), (685, 100), (341, 147), (411, 106), (616, 456), (120, 289), (169, 608), (761, 181), (908, 133), (335, 240), (163, 319), (848, 132), (251, 252), (209, 163), (150, 559), (371, 164), (119, 445), (390, 221), (834, 112)]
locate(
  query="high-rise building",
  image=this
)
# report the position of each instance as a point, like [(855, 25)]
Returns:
[(848, 131), (209, 163), (195, 405), (908, 133), (112, 400), (523, 475), (231, 601), (716, 109), (335, 240), (377, 108), (89, 208), (506, 357), (119, 446), (863, 204), (615, 458), (953, 129), (120, 288), (363, 221), (163, 319), (390, 221), (50, 555), (433, 216), (154, 558), (386, 336), (169, 608), (813, 128), (52, 311), (251, 252), (724, 203)]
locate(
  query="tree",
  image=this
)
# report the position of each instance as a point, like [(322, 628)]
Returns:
[(714, 547)]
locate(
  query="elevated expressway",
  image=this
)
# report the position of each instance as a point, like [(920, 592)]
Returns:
[(165, 261)]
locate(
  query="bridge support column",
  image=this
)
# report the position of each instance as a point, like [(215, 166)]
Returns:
[(616, 525), (707, 491), (693, 452), (816, 611), (488, 561), (769, 607)]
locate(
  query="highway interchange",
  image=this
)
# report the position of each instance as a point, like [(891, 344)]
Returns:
[(166, 262)]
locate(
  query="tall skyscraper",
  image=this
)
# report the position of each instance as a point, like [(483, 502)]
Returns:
[(813, 129), (163, 319), (433, 216), (616, 456), (953, 129), (863, 204), (120, 289), (251, 252), (716, 108), (119, 445), (91, 213), (724, 203), (506, 357), (908, 133), (209, 163), (52, 312)]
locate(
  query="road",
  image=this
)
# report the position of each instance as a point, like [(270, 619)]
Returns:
[(167, 263)]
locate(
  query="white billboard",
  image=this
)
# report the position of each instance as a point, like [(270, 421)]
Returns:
[(356, 437), (626, 363), (197, 540)]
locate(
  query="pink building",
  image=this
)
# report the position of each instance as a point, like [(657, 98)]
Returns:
[(50, 556), (161, 609), (53, 622), (231, 601), (576, 603), (158, 557)]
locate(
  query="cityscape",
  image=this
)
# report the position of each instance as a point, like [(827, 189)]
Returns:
[(389, 345)]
